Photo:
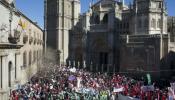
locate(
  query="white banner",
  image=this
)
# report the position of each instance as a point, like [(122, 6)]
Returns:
[(118, 89), (73, 70), (121, 97), (79, 82)]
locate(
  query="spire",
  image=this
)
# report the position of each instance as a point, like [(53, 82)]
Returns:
[(90, 4), (123, 3)]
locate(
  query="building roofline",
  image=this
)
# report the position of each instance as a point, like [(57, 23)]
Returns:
[(34, 23), (17, 11)]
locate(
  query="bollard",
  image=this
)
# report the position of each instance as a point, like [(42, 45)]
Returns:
[(84, 64), (69, 63), (78, 65)]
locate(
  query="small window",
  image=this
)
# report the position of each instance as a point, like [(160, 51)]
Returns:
[(34, 56), (30, 58), (159, 23), (24, 59), (9, 73), (160, 5), (153, 23)]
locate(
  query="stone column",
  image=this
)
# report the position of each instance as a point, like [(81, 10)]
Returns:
[(4, 89), (17, 68)]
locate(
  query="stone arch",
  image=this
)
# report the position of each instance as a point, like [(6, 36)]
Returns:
[(105, 19), (100, 44), (100, 53)]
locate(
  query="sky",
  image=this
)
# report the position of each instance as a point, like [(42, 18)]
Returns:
[(34, 9)]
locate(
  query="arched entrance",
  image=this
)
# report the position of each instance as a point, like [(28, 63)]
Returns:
[(78, 56), (100, 55), (105, 19)]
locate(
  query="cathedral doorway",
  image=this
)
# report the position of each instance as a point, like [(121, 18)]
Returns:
[(103, 58)]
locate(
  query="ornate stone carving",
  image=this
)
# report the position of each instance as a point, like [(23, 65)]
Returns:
[(3, 33), (16, 38)]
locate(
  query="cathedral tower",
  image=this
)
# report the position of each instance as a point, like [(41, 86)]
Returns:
[(60, 17), (150, 17)]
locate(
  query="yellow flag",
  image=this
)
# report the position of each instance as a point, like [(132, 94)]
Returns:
[(23, 25), (20, 23)]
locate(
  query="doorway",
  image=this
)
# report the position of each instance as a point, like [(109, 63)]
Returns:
[(103, 58)]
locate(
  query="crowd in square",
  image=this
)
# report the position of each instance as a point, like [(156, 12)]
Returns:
[(64, 83)]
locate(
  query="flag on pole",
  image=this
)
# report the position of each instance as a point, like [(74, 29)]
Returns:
[(22, 24)]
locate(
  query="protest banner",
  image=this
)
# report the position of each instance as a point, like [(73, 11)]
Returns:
[(121, 89), (147, 88)]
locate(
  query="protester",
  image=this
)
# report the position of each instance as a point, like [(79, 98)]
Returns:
[(64, 83)]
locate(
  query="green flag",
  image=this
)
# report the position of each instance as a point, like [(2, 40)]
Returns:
[(149, 78)]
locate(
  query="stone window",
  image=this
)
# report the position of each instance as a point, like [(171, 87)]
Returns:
[(33, 56), (25, 59), (159, 5), (9, 73), (30, 58), (37, 55), (159, 23), (153, 23)]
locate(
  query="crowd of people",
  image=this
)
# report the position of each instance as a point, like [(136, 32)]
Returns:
[(64, 83)]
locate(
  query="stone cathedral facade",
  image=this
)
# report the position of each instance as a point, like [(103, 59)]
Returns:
[(60, 17), (112, 36)]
